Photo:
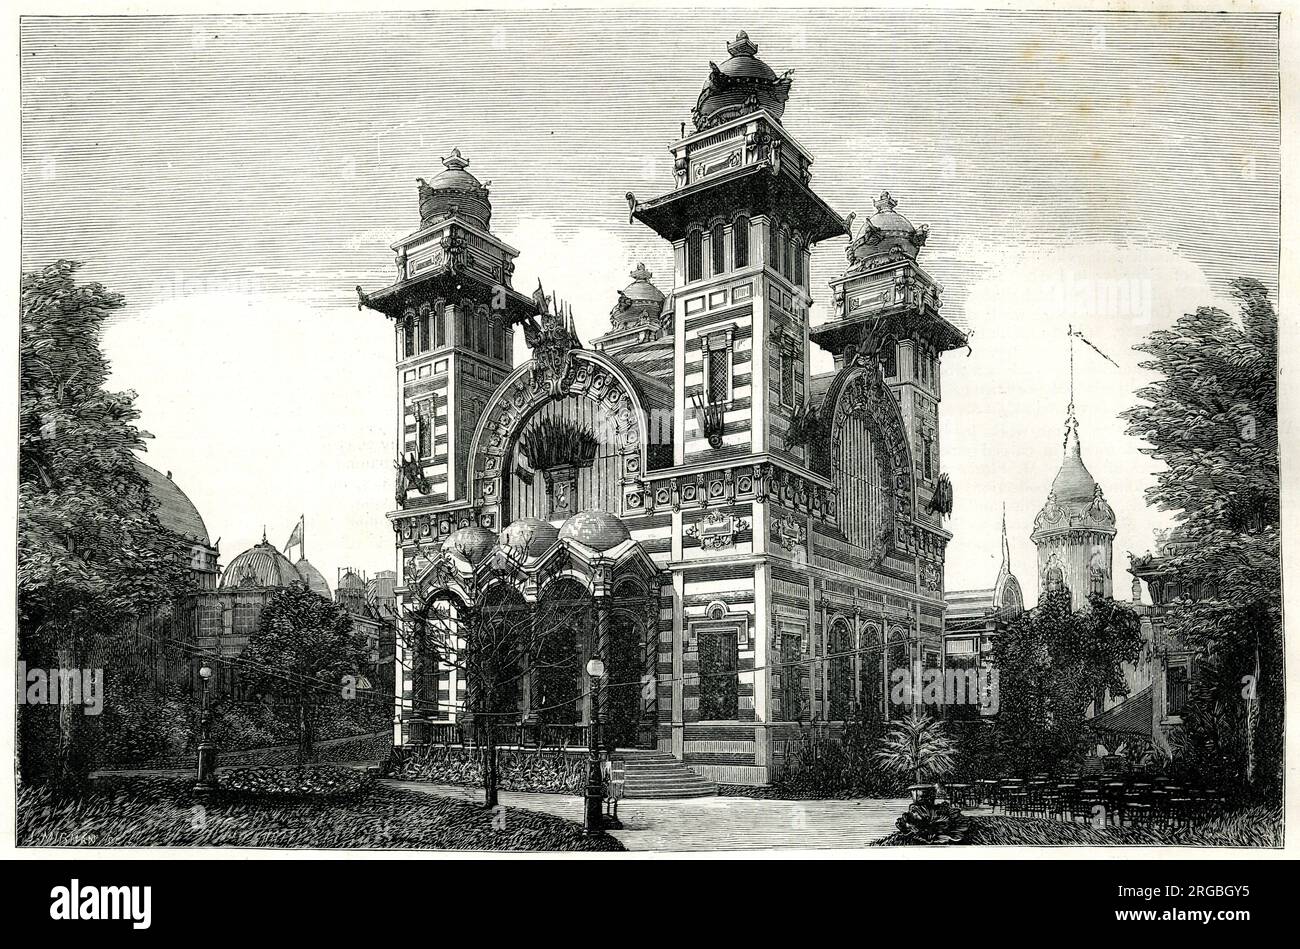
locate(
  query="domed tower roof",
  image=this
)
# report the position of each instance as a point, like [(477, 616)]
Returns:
[(351, 582), (472, 543), (314, 579), (1075, 499), (261, 565), (530, 535), (639, 302), (176, 511), (454, 191), (742, 84), (888, 232), (598, 530)]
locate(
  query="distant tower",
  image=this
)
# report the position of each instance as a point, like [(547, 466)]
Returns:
[(1075, 530)]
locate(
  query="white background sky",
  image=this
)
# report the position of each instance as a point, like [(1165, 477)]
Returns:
[(236, 177)]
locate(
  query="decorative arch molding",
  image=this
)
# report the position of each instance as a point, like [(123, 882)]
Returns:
[(555, 375), (860, 392)]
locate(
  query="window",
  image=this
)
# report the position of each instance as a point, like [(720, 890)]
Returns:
[(408, 336), (1177, 683), (889, 357), (694, 261), (424, 330), (718, 245), (787, 255), (740, 243), (929, 458), (718, 373), (440, 325), (462, 325), (787, 377), (424, 427), (840, 671), (719, 676), (798, 265), (790, 687), (773, 246)]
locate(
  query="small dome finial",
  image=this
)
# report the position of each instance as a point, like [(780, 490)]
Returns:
[(885, 202), (743, 46), (640, 273), (454, 161)]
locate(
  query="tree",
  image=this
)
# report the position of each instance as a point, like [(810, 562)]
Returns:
[(1053, 663), (303, 651), (1211, 418), (917, 746), (91, 552)]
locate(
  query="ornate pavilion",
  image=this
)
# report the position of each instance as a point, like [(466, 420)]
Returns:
[(749, 546)]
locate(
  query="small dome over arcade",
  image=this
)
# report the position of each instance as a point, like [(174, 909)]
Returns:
[(742, 84), (454, 191), (530, 535), (598, 530), (472, 543), (262, 565)]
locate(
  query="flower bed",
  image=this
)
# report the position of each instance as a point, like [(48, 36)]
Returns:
[(294, 784), (548, 772)]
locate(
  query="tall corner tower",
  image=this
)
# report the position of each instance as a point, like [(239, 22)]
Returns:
[(742, 220), (1075, 530), (454, 311)]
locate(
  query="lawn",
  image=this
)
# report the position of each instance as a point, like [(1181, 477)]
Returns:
[(159, 811), (1248, 827)]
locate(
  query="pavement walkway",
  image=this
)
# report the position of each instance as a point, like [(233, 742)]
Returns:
[(713, 823)]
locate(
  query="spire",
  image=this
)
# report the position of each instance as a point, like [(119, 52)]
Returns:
[(1005, 570)]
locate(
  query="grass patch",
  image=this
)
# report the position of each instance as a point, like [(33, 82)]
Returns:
[(162, 811), (1248, 827)]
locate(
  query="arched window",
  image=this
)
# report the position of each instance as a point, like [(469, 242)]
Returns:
[(740, 242), (718, 242), (1055, 580), (424, 330), (439, 324), (774, 246), (889, 357), (798, 264), (408, 335), (840, 662), (694, 256)]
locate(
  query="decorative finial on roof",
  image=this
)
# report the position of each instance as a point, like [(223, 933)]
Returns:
[(1071, 429), (641, 273), (264, 533), (743, 46), (885, 202), (454, 161)]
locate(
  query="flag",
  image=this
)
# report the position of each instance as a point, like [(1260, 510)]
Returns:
[(296, 538), (1074, 332)]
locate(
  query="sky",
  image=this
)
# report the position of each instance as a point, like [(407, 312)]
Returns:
[(236, 177)]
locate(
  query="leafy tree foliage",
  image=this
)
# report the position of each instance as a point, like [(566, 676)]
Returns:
[(1211, 418), (302, 653), (1053, 663), (91, 552)]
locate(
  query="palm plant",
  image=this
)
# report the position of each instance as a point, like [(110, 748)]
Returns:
[(917, 746), (556, 443)]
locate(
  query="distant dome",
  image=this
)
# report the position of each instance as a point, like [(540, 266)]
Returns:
[(314, 579), (176, 511), (531, 535), (351, 582), (598, 530), (740, 85), (472, 543), (260, 566), (454, 191)]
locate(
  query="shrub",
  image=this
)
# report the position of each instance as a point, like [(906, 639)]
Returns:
[(544, 771), (926, 823)]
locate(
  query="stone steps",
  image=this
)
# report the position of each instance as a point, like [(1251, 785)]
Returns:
[(650, 775)]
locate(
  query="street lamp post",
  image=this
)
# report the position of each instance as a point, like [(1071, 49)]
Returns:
[(593, 817), (206, 781)]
